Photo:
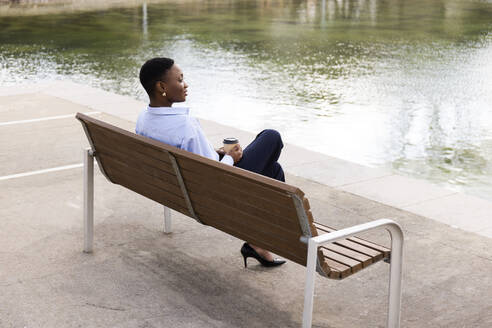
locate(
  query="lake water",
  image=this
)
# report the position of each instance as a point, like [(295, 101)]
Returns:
[(400, 84)]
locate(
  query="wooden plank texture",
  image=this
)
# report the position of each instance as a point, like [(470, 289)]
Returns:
[(263, 186), (142, 176), (238, 194), (163, 173), (337, 270), (111, 137), (137, 158), (261, 242), (90, 121), (365, 243), (232, 202), (347, 261), (147, 190), (216, 208), (262, 232), (362, 258)]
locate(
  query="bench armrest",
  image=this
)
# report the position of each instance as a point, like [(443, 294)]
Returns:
[(396, 260), (393, 228)]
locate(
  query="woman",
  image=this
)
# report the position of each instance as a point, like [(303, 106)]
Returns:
[(163, 82)]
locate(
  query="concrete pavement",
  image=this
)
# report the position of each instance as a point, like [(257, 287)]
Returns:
[(140, 277)]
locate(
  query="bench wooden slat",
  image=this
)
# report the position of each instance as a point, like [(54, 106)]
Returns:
[(349, 242), (217, 209), (259, 242), (229, 193), (134, 157), (274, 193), (364, 259), (367, 245), (113, 137), (154, 193), (338, 271), (144, 176), (357, 249), (255, 207), (361, 249), (164, 174), (267, 221), (290, 246), (353, 264)]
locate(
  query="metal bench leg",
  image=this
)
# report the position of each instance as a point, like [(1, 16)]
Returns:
[(394, 298), (88, 200), (307, 316), (167, 220)]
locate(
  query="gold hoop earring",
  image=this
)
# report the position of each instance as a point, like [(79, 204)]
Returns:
[(163, 94)]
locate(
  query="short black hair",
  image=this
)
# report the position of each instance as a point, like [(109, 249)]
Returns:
[(152, 71)]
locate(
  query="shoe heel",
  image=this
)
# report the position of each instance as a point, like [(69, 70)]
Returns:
[(248, 251)]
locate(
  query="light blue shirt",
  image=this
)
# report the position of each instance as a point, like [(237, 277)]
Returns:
[(175, 127)]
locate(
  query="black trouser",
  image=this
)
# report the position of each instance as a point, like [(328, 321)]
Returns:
[(261, 155)]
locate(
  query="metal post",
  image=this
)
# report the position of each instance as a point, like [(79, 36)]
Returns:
[(395, 284), (394, 297), (88, 199), (144, 20), (167, 220), (310, 280), (182, 185)]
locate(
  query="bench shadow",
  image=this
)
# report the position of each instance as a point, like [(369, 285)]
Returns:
[(218, 289), (222, 295)]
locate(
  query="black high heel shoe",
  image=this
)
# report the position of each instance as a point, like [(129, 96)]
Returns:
[(248, 251)]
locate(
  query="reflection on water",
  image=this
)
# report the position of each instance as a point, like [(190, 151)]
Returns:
[(402, 84)]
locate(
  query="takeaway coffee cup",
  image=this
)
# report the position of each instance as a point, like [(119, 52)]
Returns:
[(230, 143)]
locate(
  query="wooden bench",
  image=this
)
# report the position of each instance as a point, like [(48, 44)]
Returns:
[(251, 207)]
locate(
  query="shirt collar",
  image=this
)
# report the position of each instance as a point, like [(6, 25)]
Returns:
[(169, 110)]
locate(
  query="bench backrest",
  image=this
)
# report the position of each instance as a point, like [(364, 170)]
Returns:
[(249, 206)]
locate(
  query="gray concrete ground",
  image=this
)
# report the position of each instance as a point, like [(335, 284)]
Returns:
[(140, 277)]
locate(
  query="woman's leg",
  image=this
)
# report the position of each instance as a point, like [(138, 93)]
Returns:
[(261, 155), (275, 171)]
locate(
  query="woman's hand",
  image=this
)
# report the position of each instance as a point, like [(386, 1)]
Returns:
[(236, 153), (221, 151)]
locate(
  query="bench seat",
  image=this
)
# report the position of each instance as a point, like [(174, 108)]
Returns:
[(348, 256)]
